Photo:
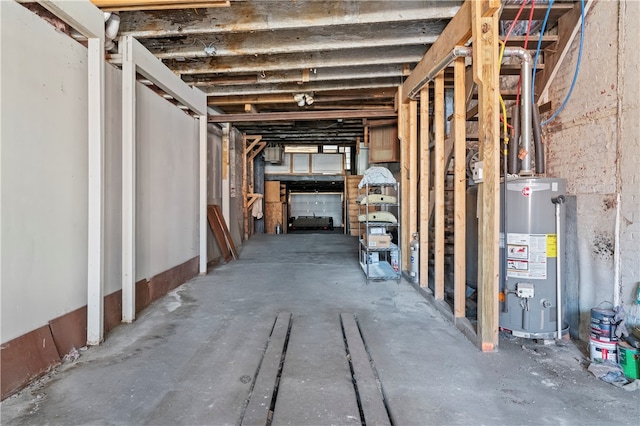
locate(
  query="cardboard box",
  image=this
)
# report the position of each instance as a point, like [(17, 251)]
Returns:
[(377, 230), (378, 241)]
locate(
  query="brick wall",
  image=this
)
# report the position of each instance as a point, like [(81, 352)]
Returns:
[(594, 144)]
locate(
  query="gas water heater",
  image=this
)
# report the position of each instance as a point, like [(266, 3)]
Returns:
[(531, 262)]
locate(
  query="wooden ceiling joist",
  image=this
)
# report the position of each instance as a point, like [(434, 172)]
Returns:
[(301, 116), (125, 5)]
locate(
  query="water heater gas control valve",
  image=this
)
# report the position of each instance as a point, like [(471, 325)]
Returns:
[(524, 290)]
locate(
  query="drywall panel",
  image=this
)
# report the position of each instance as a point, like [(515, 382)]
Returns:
[(113, 181), (43, 172), (166, 185)]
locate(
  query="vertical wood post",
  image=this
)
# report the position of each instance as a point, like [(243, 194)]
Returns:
[(226, 190), (413, 168), (245, 192), (459, 194), (425, 171), (486, 76), (440, 176), (403, 136)]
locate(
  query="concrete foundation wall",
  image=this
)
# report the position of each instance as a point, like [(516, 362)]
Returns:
[(593, 143)]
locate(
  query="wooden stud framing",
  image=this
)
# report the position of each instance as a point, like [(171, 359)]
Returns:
[(413, 167), (456, 33), (486, 76), (424, 186), (439, 184), (405, 214), (226, 190), (249, 152), (459, 193)]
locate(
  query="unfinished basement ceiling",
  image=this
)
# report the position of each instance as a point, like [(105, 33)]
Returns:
[(254, 57)]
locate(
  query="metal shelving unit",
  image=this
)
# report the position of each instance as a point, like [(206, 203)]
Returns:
[(379, 263)]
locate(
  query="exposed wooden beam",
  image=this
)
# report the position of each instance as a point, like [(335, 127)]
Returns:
[(457, 32), (296, 76), (301, 116), (384, 36), (121, 5), (293, 87), (298, 61), (355, 95), (260, 16), (486, 76)]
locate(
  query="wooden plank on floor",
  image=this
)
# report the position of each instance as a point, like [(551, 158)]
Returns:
[(365, 380), (218, 233), (265, 384), (225, 231)]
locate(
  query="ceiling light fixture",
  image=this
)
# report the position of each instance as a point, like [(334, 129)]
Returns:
[(303, 98)]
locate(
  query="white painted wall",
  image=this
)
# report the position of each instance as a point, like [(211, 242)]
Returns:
[(594, 145), (44, 172), (43, 186), (167, 185)]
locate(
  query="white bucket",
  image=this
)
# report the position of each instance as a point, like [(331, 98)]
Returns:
[(600, 351)]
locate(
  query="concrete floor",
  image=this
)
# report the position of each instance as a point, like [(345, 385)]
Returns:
[(191, 357)]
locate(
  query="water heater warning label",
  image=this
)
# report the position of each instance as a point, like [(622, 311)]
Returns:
[(527, 256)]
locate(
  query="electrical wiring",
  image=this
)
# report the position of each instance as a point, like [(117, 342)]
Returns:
[(503, 45), (538, 48), (575, 74), (502, 105)]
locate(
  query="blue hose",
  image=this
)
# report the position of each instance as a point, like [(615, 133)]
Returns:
[(575, 75)]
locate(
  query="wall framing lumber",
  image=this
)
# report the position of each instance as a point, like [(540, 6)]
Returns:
[(459, 193), (439, 184), (486, 76), (413, 167), (457, 32), (301, 116), (424, 187), (405, 213)]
